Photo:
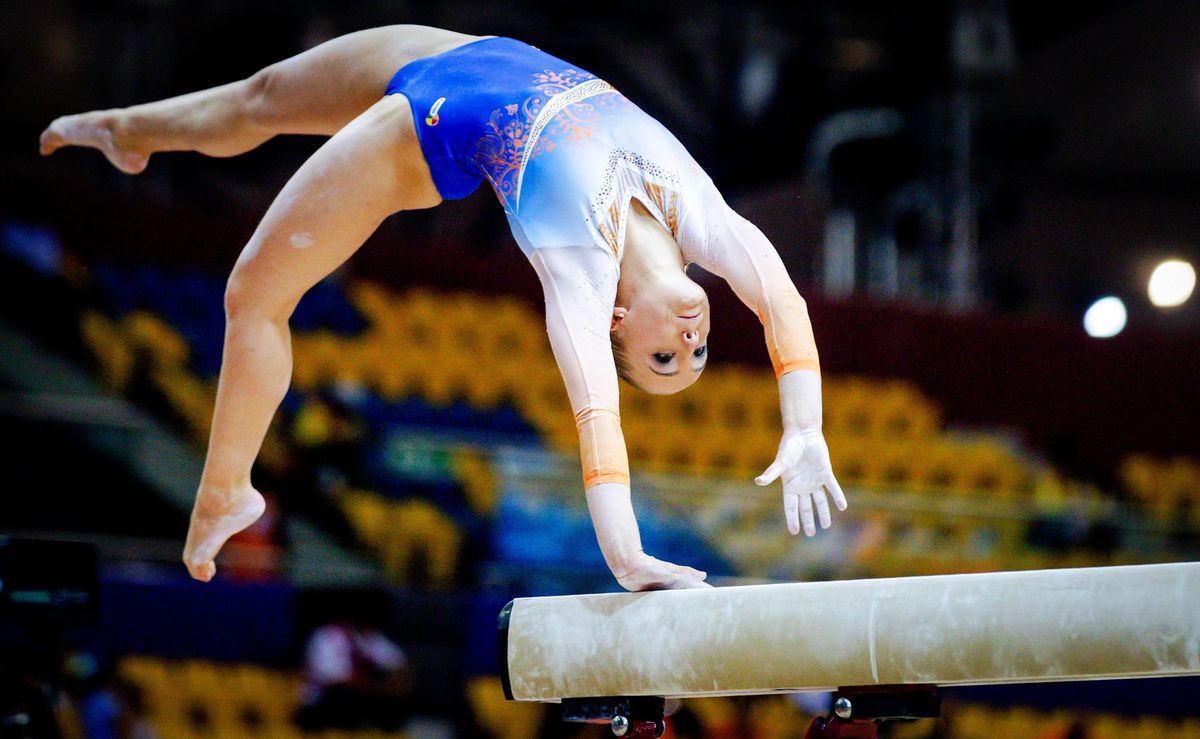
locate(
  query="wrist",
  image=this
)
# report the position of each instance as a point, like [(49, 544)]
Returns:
[(800, 401), (616, 527), (622, 565)]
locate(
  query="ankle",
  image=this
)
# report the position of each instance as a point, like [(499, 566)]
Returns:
[(224, 488), (119, 126)]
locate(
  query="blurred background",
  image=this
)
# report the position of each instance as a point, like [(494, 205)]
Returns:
[(976, 198)]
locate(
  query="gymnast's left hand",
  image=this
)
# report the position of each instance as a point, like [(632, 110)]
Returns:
[(803, 458), (803, 463)]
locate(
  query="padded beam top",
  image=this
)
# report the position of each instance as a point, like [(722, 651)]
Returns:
[(1003, 627)]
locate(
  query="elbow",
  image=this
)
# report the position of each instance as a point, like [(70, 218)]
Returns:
[(789, 305)]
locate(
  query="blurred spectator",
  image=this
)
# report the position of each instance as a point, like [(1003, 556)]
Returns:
[(355, 676)]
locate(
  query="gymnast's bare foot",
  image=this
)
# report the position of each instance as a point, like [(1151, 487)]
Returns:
[(97, 130), (218, 515)]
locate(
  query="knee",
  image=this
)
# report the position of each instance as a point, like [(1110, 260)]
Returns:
[(239, 294), (247, 297)]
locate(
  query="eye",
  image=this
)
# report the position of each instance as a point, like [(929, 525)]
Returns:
[(663, 357), (701, 351)]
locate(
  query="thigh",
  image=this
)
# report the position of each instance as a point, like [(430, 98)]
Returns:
[(322, 89), (370, 169)]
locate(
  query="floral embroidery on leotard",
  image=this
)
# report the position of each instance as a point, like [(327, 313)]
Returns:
[(501, 152)]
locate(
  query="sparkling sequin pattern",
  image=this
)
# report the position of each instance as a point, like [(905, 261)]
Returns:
[(630, 173)]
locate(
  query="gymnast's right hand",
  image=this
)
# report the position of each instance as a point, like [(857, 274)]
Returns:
[(616, 527), (644, 572)]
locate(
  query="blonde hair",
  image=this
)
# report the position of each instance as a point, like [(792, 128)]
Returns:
[(621, 359)]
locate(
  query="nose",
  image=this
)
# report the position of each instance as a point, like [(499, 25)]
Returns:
[(691, 338)]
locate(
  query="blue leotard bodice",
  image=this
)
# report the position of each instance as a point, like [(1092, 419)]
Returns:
[(473, 107)]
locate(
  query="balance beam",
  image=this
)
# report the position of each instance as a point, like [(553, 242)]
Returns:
[(1004, 627)]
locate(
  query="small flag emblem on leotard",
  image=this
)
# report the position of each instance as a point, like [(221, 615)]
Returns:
[(432, 119)]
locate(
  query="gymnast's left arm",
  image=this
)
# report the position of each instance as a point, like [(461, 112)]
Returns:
[(714, 236)]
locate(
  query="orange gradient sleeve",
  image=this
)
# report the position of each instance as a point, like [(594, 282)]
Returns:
[(714, 236), (788, 331), (601, 447), (580, 284)]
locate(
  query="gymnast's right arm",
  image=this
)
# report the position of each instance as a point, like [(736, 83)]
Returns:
[(580, 285)]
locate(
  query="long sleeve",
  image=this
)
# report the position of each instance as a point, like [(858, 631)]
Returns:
[(580, 285), (714, 236)]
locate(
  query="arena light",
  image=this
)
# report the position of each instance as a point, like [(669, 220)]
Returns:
[(1105, 318), (1172, 283)]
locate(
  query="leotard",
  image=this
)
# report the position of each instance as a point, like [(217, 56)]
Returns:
[(565, 154)]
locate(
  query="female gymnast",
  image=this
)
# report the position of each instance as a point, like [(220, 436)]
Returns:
[(605, 202)]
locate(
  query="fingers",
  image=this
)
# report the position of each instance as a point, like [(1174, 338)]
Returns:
[(822, 508), (798, 509), (839, 498), (681, 577), (655, 574), (686, 571), (806, 514), (771, 474), (791, 512)]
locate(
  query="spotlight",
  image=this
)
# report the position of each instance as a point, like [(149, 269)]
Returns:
[(1105, 318), (1172, 283)]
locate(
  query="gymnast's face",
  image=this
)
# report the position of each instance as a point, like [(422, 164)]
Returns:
[(664, 333)]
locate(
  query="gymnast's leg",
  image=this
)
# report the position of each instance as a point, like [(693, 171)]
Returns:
[(371, 168), (316, 92)]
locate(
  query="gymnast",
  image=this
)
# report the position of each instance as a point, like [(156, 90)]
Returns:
[(606, 204)]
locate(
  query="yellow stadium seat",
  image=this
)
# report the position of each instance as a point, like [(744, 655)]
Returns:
[(503, 719), (971, 721), (367, 513), (900, 412), (273, 694), (986, 469), (1189, 728), (484, 389), (372, 300), (939, 470), (514, 340), (417, 531), (774, 717), (894, 465), (1108, 726), (149, 332), (477, 475), (110, 348), (200, 676)]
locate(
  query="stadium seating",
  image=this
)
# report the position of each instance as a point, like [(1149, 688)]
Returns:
[(418, 358), (196, 698)]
